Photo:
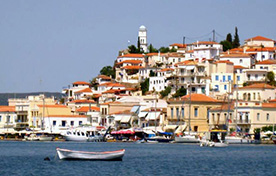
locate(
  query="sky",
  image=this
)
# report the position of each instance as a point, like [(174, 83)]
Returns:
[(47, 45)]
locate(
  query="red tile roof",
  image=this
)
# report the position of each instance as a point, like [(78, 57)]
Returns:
[(199, 98), (84, 90), (81, 83), (132, 67), (239, 67), (7, 108), (132, 55), (266, 62), (83, 101), (69, 116), (179, 45), (225, 62), (190, 51), (130, 61), (258, 86), (269, 105), (260, 38), (104, 77), (86, 109), (166, 69), (234, 55), (53, 106), (271, 49)]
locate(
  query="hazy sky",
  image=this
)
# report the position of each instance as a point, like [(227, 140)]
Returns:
[(60, 42)]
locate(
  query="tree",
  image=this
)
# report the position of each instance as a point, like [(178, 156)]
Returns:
[(229, 38), (271, 78), (226, 45), (145, 86), (164, 49), (152, 49), (236, 42), (180, 92), (139, 45), (108, 71), (132, 49), (165, 92), (152, 73)]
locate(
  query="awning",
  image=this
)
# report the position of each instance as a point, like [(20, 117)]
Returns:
[(135, 109), (142, 114), (190, 67), (153, 115), (118, 117), (125, 119)]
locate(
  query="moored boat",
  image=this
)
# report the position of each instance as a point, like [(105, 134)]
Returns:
[(64, 154), (214, 138), (186, 139)]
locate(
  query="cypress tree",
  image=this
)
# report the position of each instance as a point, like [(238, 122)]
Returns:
[(229, 37), (236, 42), (138, 45)]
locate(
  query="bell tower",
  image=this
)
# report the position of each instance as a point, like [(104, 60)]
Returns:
[(142, 35)]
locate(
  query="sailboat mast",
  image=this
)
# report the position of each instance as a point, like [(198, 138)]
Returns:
[(190, 101), (236, 109), (43, 113)]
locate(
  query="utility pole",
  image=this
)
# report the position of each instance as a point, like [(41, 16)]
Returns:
[(214, 35), (183, 41)]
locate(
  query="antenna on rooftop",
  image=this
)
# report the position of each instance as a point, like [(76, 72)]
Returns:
[(214, 35)]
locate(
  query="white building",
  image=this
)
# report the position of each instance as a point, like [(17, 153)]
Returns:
[(261, 54), (259, 41), (255, 75), (241, 59), (205, 49), (142, 35), (157, 83)]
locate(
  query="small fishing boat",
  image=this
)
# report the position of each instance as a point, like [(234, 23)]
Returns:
[(65, 154), (214, 138)]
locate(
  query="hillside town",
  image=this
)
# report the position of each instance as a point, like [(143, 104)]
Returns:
[(196, 87)]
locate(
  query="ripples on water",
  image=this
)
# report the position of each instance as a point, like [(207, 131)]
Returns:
[(26, 158)]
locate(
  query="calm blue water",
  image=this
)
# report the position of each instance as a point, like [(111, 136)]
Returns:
[(26, 158)]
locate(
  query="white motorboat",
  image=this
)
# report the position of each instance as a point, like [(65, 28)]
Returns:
[(85, 155), (83, 134), (186, 139), (32, 137), (44, 137), (214, 138), (237, 140)]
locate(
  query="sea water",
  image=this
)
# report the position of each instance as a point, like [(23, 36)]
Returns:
[(27, 158)]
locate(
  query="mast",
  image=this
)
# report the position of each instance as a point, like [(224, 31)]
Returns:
[(190, 101), (236, 109), (228, 109), (43, 113)]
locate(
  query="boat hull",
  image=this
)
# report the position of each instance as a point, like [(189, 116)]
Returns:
[(76, 138), (65, 154), (186, 139)]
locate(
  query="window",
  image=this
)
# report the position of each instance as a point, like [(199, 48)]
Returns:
[(258, 116), (223, 78), (261, 67), (240, 60), (177, 113), (8, 119), (171, 112), (267, 116), (80, 122), (0, 118), (256, 76), (229, 78), (196, 112), (238, 78), (72, 123), (225, 87), (179, 59), (63, 123), (217, 77), (216, 87), (54, 123), (182, 112)]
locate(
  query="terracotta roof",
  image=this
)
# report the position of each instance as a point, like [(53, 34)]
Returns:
[(234, 55), (70, 116), (239, 67), (83, 101), (112, 85), (132, 67), (269, 105), (131, 62), (190, 51), (166, 69), (80, 83), (86, 109), (260, 38), (271, 49), (236, 50), (226, 62), (224, 107), (122, 112), (179, 45), (154, 54), (199, 98), (273, 101), (174, 55), (96, 95), (258, 86), (204, 43), (266, 62), (110, 91), (53, 106), (84, 90), (187, 62), (132, 55), (7, 108), (104, 77)]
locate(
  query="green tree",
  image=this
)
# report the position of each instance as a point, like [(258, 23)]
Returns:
[(226, 45), (271, 78), (138, 45), (180, 92), (229, 38), (145, 86), (94, 83), (236, 42), (152, 73), (132, 49), (164, 49), (165, 92), (152, 49), (108, 71)]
